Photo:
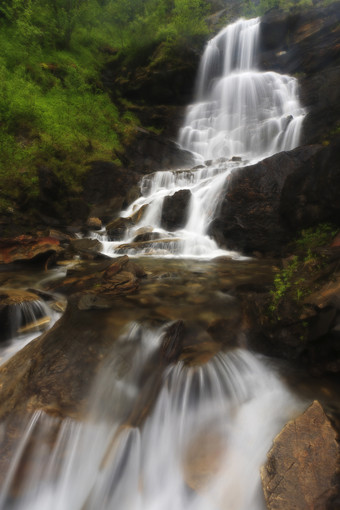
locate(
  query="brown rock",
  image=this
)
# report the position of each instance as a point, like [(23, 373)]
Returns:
[(27, 248), (94, 223), (301, 466)]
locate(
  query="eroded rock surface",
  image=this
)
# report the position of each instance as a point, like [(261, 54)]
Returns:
[(301, 467), (27, 248)]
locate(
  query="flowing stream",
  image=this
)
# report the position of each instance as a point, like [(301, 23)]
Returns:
[(180, 435)]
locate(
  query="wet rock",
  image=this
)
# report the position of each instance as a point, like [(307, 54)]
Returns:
[(105, 278), (28, 248), (302, 464), (149, 247), (86, 248), (94, 223), (175, 210), (147, 236), (266, 204), (116, 228), (56, 370)]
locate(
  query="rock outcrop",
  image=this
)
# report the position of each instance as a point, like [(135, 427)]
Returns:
[(265, 205), (175, 210), (300, 473), (28, 248)]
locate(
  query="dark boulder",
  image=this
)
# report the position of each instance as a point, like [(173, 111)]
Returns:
[(150, 152), (310, 194), (117, 228), (251, 215), (175, 210)]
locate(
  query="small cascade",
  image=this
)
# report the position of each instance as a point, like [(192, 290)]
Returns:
[(199, 447), (240, 115), (23, 316)]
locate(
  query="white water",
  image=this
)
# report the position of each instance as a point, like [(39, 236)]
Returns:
[(200, 448), (238, 111), (26, 314)]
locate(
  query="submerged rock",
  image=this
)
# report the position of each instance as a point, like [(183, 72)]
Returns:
[(302, 464)]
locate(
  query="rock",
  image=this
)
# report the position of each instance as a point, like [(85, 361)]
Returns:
[(175, 210), (150, 152), (309, 194), (150, 247), (251, 216), (56, 369), (302, 464), (116, 228), (147, 236), (94, 223), (265, 205), (28, 248), (109, 188), (88, 248), (104, 278)]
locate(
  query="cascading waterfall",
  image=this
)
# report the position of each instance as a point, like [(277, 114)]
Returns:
[(240, 115), (199, 448), (239, 110)]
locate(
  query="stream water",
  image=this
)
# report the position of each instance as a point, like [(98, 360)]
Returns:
[(213, 417)]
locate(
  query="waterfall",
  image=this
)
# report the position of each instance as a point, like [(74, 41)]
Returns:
[(199, 448), (239, 110), (240, 115)]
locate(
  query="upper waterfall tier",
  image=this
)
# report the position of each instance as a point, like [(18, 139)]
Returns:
[(240, 110)]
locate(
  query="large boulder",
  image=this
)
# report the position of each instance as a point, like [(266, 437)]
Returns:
[(258, 214), (175, 210), (300, 473)]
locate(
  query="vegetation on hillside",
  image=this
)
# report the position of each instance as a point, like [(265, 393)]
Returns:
[(53, 106), (54, 109)]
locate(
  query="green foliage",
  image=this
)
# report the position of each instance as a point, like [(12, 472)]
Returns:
[(53, 107), (293, 282)]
